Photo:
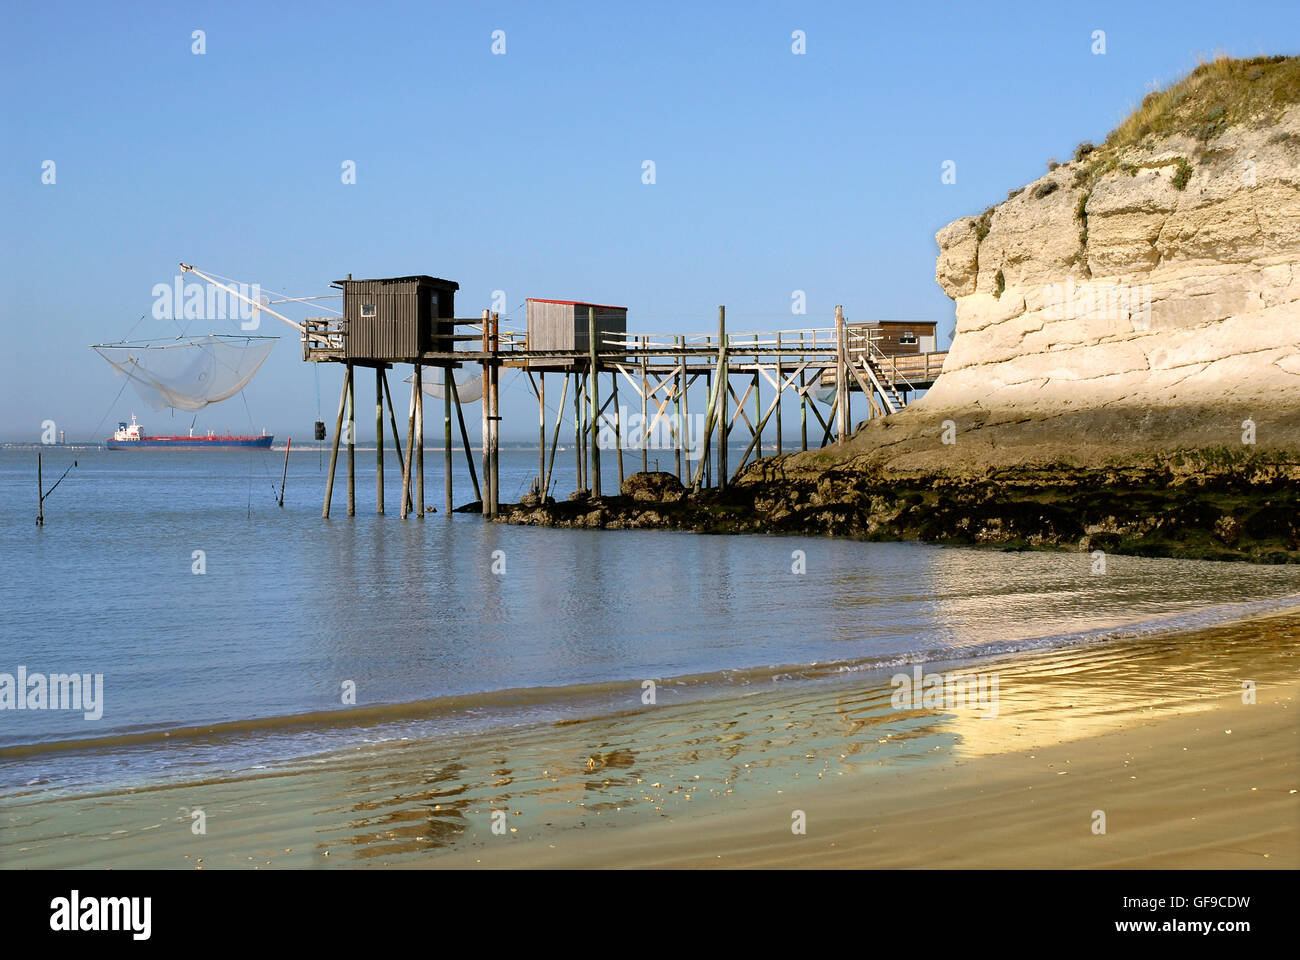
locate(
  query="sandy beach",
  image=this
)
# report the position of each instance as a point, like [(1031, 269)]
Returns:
[(1154, 733)]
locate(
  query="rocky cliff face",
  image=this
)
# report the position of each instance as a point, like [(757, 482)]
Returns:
[(1164, 281), (1129, 306)]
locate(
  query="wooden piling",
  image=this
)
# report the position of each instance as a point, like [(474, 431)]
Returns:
[(464, 437), (679, 378), (803, 404), (334, 451), (379, 442), (419, 440), (555, 437), (593, 400), (841, 375), (618, 432), (352, 442), (40, 492), (407, 500), (495, 422), (397, 436), (780, 392), (723, 381), (577, 429), (645, 410), (541, 433), (285, 476), (447, 377), (485, 498)]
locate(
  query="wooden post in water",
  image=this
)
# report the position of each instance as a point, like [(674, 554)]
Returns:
[(780, 392), (593, 400), (285, 476), (841, 374), (541, 434), (710, 413), (419, 440), (397, 436), (40, 492), (464, 436), (679, 379), (758, 407), (486, 493), (803, 403), (555, 437), (407, 499), (686, 409), (447, 376), (724, 379), (495, 422), (577, 427), (334, 450), (645, 409), (618, 432), (379, 442), (352, 443)]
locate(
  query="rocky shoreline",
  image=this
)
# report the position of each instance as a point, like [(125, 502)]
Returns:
[(1244, 515)]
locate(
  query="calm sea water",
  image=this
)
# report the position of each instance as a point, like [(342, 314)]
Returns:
[(292, 608)]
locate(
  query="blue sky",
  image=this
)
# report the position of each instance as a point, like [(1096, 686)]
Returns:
[(522, 172)]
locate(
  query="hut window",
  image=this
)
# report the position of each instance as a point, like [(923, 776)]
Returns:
[(908, 337), (367, 309)]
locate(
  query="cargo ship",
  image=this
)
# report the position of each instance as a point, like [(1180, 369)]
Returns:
[(131, 435)]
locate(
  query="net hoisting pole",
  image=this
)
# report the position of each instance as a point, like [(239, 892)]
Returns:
[(186, 268)]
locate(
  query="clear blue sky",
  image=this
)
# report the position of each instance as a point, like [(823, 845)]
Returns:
[(522, 172)]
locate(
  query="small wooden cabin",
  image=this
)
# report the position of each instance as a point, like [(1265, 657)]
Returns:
[(562, 325), (398, 318), (895, 338)]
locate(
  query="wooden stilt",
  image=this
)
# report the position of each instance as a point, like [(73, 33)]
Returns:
[(419, 440), (803, 405), (780, 392), (541, 433), (448, 376), (334, 451), (758, 409), (464, 437), (555, 438), (645, 411), (379, 441), (678, 435), (486, 498), (618, 433), (724, 427), (495, 421), (710, 414), (284, 477), (686, 410), (407, 499), (593, 400), (577, 429), (40, 492), (841, 375), (397, 437), (352, 442)]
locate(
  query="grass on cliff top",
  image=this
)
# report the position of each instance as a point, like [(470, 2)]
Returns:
[(1214, 96)]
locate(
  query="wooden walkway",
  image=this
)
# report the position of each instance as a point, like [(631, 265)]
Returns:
[(691, 394)]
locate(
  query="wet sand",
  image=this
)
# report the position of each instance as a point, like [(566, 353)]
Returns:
[(1151, 732)]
